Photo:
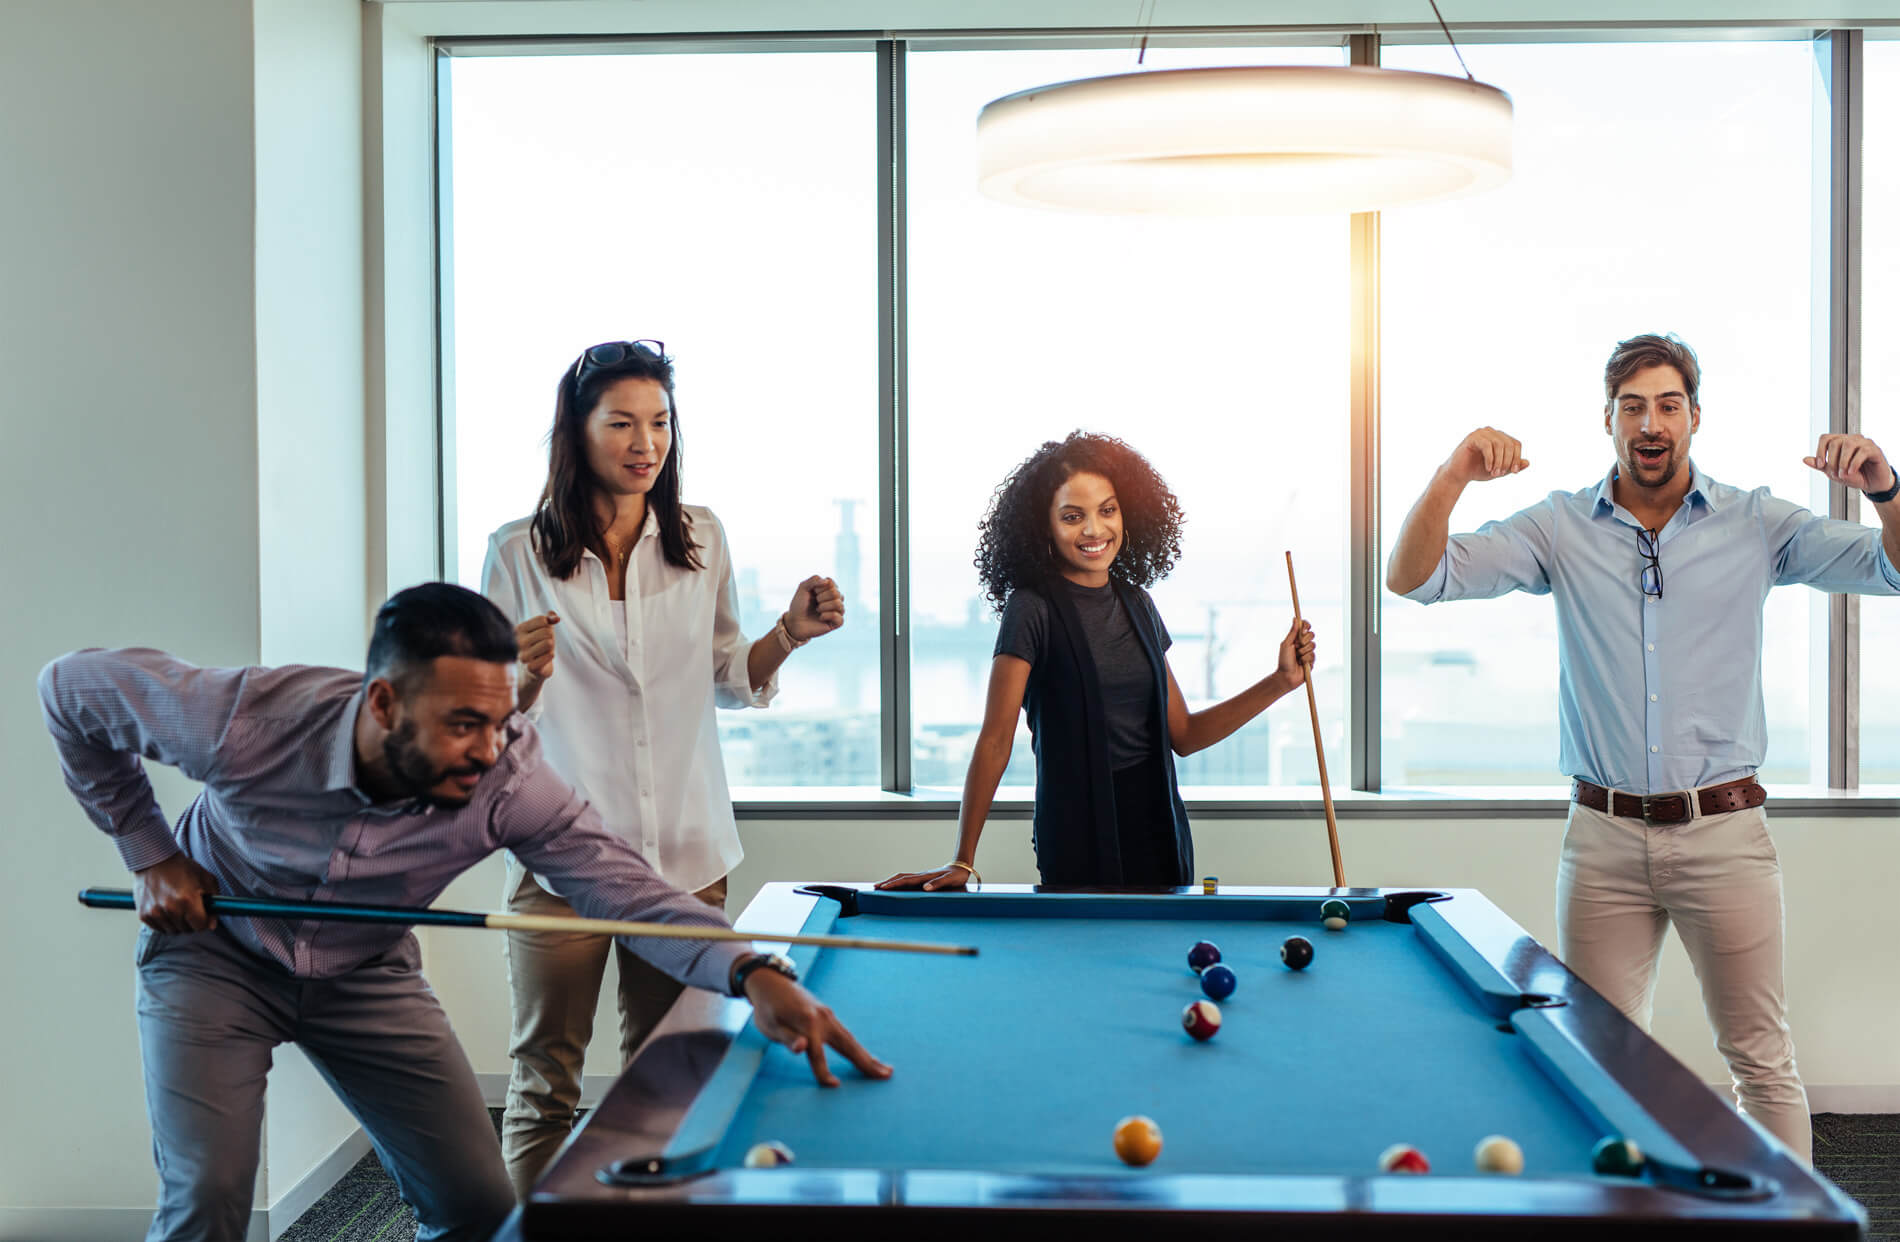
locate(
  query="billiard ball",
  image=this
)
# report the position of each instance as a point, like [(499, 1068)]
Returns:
[(1201, 1019), (1335, 914), (769, 1155), (1498, 1154), (1203, 955), (1297, 952), (1137, 1140), (1403, 1158), (1617, 1156), (1219, 981)]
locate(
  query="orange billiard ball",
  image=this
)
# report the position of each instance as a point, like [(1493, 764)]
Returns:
[(1137, 1140)]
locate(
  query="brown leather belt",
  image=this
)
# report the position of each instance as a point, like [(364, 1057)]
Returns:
[(1671, 808)]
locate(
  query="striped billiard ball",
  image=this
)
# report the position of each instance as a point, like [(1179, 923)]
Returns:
[(1201, 1019)]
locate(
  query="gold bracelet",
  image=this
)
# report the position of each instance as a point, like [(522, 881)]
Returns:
[(958, 862)]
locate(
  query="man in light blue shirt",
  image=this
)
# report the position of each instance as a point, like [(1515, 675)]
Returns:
[(1659, 575)]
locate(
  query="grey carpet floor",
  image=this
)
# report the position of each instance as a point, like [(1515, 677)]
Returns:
[(1860, 1151)]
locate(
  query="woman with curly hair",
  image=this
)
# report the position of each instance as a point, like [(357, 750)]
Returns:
[(1072, 539)]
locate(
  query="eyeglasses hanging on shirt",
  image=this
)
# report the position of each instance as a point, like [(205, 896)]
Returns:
[(1647, 542)]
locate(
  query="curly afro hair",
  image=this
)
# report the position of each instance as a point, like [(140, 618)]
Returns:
[(1013, 547)]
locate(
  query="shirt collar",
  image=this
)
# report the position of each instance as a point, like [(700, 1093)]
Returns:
[(1700, 491), (649, 529), (341, 772)]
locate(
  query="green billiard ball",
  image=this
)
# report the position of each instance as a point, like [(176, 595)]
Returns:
[(1617, 1156), (1335, 914)]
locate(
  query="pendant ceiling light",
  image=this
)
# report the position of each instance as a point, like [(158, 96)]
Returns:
[(1279, 140)]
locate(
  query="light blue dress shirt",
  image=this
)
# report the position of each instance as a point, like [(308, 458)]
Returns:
[(1657, 695)]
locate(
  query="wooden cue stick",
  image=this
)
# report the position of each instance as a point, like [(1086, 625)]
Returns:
[(1319, 747), (339, 912)]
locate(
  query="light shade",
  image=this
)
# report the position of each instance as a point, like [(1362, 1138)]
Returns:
[(1277, 140)]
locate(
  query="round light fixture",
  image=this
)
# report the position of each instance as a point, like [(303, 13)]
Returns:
[(1273, 140)]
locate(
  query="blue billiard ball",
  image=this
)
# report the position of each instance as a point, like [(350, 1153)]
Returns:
[(1218, 981), (1203, 955)]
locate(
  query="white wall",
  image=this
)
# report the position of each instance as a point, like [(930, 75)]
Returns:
[(1841, 925), (314, 596), (128, 491)]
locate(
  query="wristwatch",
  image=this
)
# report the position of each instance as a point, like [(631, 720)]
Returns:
[(761, 961), (1881, 498)]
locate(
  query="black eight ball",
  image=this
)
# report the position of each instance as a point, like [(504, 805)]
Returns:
[(1297, 952)]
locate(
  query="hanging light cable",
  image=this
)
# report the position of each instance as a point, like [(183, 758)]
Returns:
[(1267, 140)]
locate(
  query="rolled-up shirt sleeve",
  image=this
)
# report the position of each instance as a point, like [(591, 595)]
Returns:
[(1826, 553), (556, 834), (108, 710), (732, 680), (1499, 557)]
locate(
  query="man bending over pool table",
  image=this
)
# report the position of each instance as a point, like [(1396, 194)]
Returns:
[(1659, 574), (376, 788)]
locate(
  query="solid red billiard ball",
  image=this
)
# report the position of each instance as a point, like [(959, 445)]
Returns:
[(1137, 1140), (1203, 955), (1403, 1158), (1297, 952), (1201, 1019)]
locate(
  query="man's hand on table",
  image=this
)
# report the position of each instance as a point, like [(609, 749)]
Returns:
[(171, 896), (790, 1015)]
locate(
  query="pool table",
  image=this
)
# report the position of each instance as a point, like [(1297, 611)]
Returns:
[(1430, 1019)]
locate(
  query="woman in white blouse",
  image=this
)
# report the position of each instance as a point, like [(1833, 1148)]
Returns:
[(629, 628)]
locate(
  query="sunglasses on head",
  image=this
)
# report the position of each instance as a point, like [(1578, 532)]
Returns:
[(613, 353)]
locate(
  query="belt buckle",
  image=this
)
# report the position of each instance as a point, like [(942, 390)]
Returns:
[(1650, 820)]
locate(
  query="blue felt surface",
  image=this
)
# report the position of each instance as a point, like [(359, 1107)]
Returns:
[(1023, 1059)]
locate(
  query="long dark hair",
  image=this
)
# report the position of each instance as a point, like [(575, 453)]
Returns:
[(1013, 547), (564, 519)]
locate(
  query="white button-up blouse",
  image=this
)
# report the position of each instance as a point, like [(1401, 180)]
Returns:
[(628, 720)]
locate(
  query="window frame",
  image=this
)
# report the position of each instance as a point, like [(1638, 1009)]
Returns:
[(1837, 170)]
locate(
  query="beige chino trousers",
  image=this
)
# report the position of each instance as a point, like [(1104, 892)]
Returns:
[(1717, 878), (554, 983)]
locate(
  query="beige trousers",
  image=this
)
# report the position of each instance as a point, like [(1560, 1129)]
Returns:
[(1621, 883), (554, 985)]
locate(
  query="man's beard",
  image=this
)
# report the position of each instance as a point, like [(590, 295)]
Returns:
[(413, 772)]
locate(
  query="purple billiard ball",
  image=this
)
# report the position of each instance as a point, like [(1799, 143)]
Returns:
[(1203, 955), (1219, 981)]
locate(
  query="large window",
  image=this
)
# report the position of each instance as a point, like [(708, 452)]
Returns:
[(724, 196), (1880, 397), (1657, 188), (725, 204), (1216, 348)]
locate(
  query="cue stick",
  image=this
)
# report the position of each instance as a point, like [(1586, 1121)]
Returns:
[(339, 912), (1319, 747)]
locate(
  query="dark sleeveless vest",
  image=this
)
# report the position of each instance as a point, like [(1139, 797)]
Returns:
[(1077, 844)]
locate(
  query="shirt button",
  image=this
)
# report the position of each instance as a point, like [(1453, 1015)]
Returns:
[(1652, 698), (1652, 646), (641, 742), (1654, 749)]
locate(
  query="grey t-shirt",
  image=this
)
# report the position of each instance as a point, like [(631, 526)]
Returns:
[(1128, 687)]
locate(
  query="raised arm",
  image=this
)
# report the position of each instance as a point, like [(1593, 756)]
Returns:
[(1858, 462), (1192, 731), (1484, 454), (1009, 679)]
